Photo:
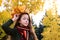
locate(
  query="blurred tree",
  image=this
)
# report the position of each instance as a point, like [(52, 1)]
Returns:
[(0, 2), (32, 5), (4, 16), (51, 24)]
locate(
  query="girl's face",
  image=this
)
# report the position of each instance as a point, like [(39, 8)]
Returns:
[(24, 21)]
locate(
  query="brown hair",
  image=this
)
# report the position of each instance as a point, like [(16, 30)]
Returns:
[(17, 22)]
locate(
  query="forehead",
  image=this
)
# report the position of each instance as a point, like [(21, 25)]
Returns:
[(25, 16)]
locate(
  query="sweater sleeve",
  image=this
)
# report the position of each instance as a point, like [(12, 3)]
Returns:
[(6, 27)]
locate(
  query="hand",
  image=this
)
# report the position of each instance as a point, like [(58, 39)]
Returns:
[(16, 16)]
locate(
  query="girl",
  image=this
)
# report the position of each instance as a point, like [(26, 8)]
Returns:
[(22, 29)]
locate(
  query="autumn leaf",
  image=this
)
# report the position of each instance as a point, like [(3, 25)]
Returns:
[(0, 2)]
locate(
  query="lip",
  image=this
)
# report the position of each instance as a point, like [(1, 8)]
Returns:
[(26, 23)]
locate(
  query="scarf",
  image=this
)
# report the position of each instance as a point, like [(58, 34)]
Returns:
[(23, 32)]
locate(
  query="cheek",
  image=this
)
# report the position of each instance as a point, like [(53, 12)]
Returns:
[(28, 22), (21, 21)]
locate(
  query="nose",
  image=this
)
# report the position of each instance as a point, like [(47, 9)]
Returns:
[(26, 20)]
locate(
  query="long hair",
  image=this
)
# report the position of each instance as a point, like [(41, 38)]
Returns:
[(17, 22), (31, 34)]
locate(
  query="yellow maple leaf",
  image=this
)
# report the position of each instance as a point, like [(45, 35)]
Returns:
[(0, 2)]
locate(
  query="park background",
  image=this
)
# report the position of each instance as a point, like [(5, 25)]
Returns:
[(45, 15)]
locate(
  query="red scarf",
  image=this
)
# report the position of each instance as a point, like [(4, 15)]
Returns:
[(23, 31)]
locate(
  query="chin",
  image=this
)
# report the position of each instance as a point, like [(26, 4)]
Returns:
[(25, 25)]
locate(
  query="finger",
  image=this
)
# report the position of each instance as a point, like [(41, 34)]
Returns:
[(17, 15)]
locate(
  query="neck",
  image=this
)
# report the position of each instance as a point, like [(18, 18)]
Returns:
[(22, 27)]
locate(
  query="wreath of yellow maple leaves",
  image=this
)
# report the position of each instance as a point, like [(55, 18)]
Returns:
[(19, 10)]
